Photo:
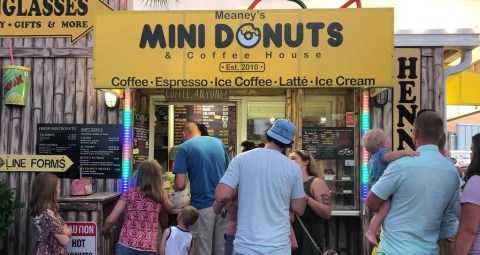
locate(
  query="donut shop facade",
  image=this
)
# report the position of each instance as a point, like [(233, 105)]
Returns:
[(237, 71), (335, 73)]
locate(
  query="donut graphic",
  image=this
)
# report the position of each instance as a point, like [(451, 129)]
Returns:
[(248, 35)]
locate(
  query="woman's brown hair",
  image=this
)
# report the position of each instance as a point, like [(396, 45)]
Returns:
[(474, 167), (44, 194), (312, 168), (149, 180)]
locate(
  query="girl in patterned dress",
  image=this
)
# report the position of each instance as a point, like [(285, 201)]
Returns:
[(53, 233), (143, 204)]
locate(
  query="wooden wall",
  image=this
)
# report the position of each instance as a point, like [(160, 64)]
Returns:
[(60, 92)]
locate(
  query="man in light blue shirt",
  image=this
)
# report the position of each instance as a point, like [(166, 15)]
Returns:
[(269, 186), (423, 191)]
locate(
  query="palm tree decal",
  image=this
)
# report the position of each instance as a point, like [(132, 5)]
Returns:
[(301, 4), (163, 4), (158, 4)]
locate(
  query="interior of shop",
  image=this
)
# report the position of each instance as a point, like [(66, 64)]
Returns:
[(327, 116)]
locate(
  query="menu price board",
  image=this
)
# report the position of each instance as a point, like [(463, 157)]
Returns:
[(219, 119), (96, 148), (329, 142)]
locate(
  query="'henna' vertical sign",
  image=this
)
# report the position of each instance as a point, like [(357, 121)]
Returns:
[(406, 96)]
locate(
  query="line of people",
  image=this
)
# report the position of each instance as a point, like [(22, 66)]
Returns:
[(266, 186), (262, 182)]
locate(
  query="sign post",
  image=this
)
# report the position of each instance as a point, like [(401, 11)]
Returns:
[(34, 163), (84, 238)]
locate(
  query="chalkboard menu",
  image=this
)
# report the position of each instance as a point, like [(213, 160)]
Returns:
[(329, 142), (219, 119), (96, 148)]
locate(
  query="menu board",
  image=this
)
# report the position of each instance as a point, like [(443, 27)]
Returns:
[(219, 119), (329, 142), (140, 138), (96, 148)]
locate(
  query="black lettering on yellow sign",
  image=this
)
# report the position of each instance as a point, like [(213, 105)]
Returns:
[(37, 8), (47, 163), (15, 163), (248, 36), (407, 99), (35, 163)]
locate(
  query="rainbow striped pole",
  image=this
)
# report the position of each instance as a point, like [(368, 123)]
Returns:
[(365, 126), (127, 140)]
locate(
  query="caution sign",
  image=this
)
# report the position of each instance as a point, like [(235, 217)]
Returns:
[(34, 163), (84, 238), (34, 18)]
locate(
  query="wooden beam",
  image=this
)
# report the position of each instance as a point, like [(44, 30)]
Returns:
[(47, 52)]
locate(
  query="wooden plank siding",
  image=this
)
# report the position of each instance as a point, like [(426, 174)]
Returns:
[(60, 91)]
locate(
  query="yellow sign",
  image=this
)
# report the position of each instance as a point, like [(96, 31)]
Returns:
[(406, 96), (317, 48), (34, 163), (48, 18)]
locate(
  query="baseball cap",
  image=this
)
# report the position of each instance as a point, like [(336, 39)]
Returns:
[(282, 130)]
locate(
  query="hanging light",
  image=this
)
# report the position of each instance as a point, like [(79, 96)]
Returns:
[(111, 100), (381, 99)]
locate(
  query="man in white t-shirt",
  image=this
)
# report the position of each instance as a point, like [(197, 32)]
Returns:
[(269, 186)]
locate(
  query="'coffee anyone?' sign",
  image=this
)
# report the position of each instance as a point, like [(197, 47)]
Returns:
[(317, 48), (49, 18)]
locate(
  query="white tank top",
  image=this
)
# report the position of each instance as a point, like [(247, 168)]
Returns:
[(178, 241)]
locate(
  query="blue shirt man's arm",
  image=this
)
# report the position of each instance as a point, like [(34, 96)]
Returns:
[(179, 183), (449, 224), (180, 169)]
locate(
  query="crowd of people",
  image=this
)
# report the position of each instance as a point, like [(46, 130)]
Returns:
[(263, 201)]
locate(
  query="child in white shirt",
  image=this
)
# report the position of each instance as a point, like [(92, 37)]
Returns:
[(177, 240)]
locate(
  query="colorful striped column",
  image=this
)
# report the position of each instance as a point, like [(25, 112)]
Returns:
[(127, 140), (365, 126)]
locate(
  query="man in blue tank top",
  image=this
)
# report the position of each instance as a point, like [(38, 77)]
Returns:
[(205, 160)]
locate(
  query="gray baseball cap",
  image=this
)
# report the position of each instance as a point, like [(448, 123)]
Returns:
[(283, 131)]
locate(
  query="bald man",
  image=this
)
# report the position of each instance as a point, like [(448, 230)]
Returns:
[(205, 160)]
